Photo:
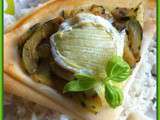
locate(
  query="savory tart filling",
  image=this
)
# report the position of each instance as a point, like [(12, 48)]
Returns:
[(85, 54)]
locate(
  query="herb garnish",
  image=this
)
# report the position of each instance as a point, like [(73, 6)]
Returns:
[(117, 70), (81, 82)]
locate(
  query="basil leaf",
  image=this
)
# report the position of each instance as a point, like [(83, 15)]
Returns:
[(113, 95), (81, 82), (117, 69), (11, 7)]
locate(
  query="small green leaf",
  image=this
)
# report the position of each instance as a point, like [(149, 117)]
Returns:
[(113, 95), (11, 7), (117, 69), (81, 82)]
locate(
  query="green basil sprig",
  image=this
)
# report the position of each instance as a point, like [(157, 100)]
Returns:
[(81, 82), (11, 7), (113, 95), (117, 70)]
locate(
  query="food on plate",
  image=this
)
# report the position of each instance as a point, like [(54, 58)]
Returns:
[(83, 48), (85, 54)]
